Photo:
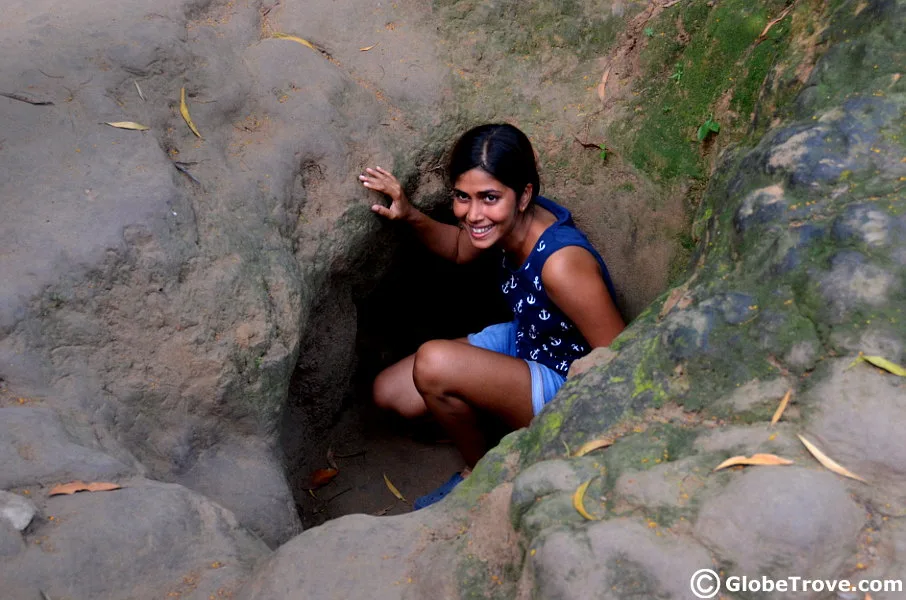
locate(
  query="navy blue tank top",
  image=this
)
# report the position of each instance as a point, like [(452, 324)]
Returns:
[(543, 332)]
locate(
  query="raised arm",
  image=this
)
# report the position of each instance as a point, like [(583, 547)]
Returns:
[(572, 279), (448, 241)]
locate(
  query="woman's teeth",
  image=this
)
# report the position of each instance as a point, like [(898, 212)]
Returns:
[(481, 230)]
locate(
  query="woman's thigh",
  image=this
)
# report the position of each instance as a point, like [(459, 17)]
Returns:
[(486, 380)]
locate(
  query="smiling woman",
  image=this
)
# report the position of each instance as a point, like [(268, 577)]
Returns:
[(555, 282)]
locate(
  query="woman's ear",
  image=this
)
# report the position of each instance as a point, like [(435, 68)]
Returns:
[(526, 197)]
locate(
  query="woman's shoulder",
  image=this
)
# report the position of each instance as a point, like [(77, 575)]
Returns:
[(561, 213)]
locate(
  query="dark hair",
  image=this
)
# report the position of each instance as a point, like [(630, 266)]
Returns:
[(500, 150)]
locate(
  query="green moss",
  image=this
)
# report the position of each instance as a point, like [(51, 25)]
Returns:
[(478, 579), (643, 378), (658, 444), (684, 82)]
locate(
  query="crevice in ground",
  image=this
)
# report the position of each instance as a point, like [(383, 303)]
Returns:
[(356, 328)]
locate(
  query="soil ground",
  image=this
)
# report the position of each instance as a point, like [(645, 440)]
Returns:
[(367, 445)]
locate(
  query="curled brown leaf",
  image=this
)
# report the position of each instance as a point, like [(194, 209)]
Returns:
[(81, 486), (755, 459)]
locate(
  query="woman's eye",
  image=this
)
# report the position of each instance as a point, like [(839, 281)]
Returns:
[(491, 198), (461, 196)]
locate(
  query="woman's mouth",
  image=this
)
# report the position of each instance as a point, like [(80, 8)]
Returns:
[(480, 232)]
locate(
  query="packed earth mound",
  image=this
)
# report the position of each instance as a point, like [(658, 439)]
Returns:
[(195, 294)]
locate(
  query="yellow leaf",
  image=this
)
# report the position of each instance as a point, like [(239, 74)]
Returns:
[(825, 460), (885, 364), (367, 48), (393, 489), (81, 486), (128, 125), (304, 42), (755, 459), (782, 407), (184, 111), (579, 501), (593, 445)]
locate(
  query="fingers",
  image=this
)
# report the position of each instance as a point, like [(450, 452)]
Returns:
[(381, 210), (381, 180)]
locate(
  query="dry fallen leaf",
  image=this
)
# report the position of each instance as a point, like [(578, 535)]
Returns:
[(81, 486), (879, 361), (602, 87), (782, 407), (679, 297), (367, 48), (330, 459), (883, 363), (393, 489), (184, 111), (128, 125), (755, 459), (593, 445), (782, 16), (322, 477), (825, 460), (303, 41), (579, 501), (383, 511)]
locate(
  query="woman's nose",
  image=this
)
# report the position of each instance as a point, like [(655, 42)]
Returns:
[(474, 215)]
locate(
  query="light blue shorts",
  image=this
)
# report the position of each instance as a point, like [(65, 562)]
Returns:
[(502, 338)]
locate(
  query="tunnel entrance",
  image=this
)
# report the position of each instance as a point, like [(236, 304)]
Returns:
[(356, 330)]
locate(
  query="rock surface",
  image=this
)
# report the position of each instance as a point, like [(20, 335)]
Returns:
[(16, 510), (162, 291), (146, 540)]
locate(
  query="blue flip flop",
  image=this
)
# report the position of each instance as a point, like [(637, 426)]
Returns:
[(438, 494)]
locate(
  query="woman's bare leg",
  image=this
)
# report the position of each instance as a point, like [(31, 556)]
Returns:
[(394, 388), (457, 382)]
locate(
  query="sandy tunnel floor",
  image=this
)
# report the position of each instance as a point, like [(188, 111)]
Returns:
[(367, 445)]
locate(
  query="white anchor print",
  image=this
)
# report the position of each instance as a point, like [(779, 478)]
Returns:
[(533, 333), (556, 341), (534, 354), (512, 282), (506, 287), (530, 299), (520, 335), (563, 325), (519, 307), (562, 366), (537, 283), (546, 349), (541, 246), (577, 348), (526, 267), (544, 315)]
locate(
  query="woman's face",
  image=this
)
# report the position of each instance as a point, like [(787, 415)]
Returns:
[(487, 208)]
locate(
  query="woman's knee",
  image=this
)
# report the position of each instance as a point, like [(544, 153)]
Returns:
[(383, 390), (394, 390), (432, 366)]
